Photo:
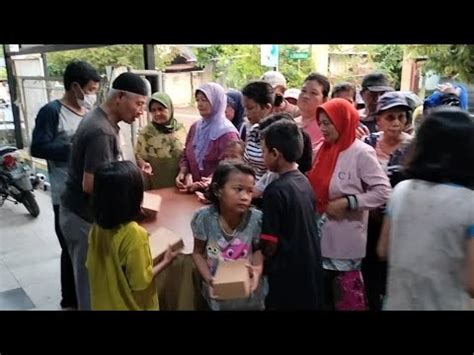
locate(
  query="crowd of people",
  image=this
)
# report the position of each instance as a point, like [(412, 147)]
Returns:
[(338, 200)]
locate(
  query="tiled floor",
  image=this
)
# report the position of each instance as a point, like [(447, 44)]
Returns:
[(15, 299), (29, 257)]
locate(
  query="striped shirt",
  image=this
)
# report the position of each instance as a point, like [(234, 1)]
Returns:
[(253, 154)]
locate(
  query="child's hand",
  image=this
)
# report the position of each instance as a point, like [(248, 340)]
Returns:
[(170, 255), (211, 290), (254, 272)]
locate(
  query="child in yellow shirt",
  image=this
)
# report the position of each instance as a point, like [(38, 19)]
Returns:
[(121, 271)]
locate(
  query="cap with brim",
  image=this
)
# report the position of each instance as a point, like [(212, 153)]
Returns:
[(376, 82), (292, 94), (390, 100), (385, 108)]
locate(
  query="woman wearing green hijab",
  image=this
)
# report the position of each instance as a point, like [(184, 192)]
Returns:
[(161, 143)]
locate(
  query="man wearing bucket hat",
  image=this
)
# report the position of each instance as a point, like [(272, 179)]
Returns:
[(390, 144)]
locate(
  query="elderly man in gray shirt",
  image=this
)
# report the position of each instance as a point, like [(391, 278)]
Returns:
[(96, 142)]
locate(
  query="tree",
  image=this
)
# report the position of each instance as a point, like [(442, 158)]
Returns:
[(118, 55), (295, 70), (236, 65), (389, 59), (454, 61), (3, 70), (231, 65)]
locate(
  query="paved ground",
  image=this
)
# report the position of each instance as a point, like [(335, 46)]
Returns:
[(29, 257)]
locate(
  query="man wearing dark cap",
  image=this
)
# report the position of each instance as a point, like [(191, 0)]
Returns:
[(95, 143), (373, 86)]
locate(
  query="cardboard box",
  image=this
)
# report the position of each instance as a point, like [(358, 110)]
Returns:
[(151, 204), (232, 280), (159, 242)]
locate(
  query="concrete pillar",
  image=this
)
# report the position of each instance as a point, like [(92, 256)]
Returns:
[(320, 55), (408, 67)]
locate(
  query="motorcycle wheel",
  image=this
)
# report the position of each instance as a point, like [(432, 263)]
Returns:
[(29, 201)]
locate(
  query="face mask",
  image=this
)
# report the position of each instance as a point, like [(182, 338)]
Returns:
[(88, 101)]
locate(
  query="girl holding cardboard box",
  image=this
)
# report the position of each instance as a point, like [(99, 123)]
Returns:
[(225, 235)]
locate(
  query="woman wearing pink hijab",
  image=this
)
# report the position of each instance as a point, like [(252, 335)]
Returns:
[(206, 140)]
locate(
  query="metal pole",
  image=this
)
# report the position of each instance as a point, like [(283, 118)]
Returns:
[(13, 95), (149, 58), (46, 74), (25, 112)]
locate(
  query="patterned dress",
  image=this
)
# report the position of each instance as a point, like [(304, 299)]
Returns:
[(163, 151)]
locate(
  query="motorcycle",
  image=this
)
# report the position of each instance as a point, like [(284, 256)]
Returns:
[(15, 184)]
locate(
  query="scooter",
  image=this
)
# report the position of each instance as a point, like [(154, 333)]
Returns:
[(15, 184)]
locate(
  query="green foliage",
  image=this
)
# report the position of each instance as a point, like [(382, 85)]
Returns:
[(388, 59), (236, 65), (295, 70), (3, 70), (100, 57), (232, 65), (455, 61)]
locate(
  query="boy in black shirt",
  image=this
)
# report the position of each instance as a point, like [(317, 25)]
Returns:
[(289, 241)]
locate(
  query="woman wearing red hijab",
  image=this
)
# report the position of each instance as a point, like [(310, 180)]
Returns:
[(348, 182)]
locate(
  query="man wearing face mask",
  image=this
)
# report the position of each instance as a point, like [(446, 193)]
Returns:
[(56, 123)]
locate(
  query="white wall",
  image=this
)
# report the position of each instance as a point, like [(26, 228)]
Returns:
[(178, 86), (181, 86)]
